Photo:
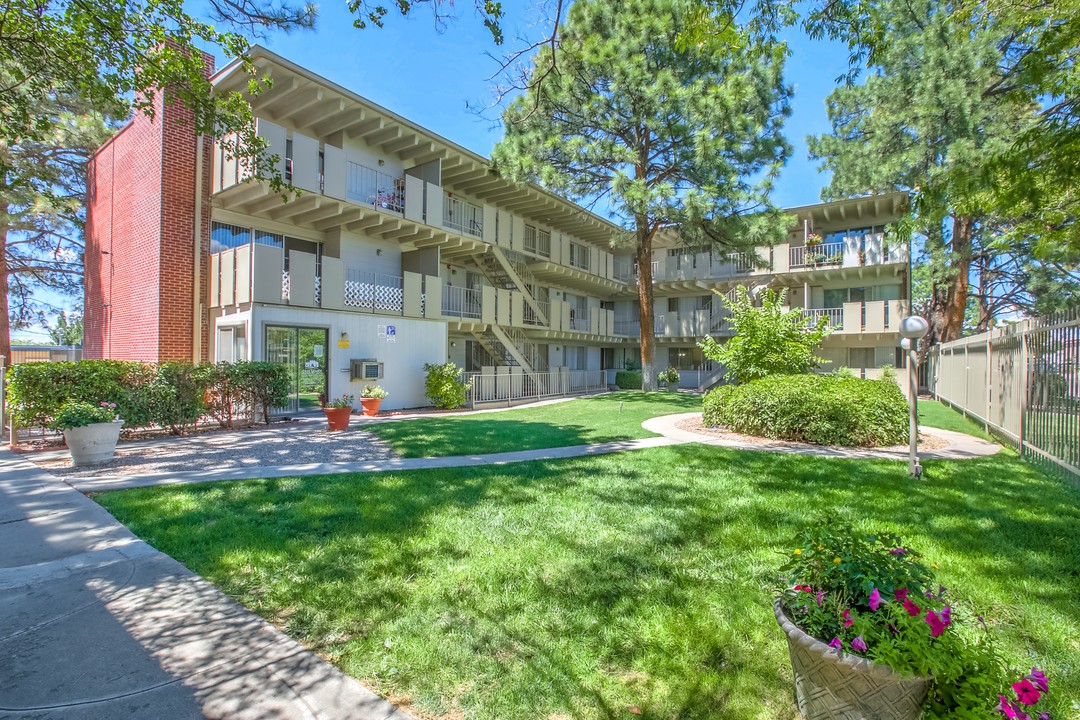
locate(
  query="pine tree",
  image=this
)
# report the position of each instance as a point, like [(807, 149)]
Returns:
[(921, 121), (42, 191), (678, 138)]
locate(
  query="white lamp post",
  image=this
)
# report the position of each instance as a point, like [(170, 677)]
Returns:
[(913, 329)]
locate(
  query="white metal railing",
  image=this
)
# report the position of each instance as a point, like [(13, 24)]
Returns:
[(627, 328), (531, 318), (580, 320), (543, 243), (461, 302), (518, 387), (579, 256), (817, 255), (376, 188), (462, 217), (835, 316), (374, 292)]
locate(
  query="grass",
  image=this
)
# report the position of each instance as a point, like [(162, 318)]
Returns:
[(600, 587), (602, 418), (933, 413)]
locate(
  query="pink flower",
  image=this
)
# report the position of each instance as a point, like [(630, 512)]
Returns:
[(1026, 692), (912, 608), (820, 597), (875, 599), (858, 644), (898, 551), (836, 643), (901, 594), (1037, 678), (848, 622), (946, 615), (1010, 710), (937, 626)]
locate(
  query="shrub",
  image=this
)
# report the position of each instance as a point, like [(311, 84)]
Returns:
[(822, 409), (888, 374), (768, 340), (37, 391), (80, 414), (628, 379), (669, 376), (266, 386), (444, 386), (226, 394), (843, 372)]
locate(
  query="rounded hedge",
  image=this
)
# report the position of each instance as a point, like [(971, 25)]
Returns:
[(821, 409), (628, 379)]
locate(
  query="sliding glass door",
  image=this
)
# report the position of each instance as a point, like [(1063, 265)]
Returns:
[(304, 350)]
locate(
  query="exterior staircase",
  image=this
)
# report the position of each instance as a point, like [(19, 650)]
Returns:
[(509, 269), (506, 346)]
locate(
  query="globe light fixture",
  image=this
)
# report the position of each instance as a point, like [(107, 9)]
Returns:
[(913, 329)]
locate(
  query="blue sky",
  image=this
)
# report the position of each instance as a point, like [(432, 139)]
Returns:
[(429, 76)]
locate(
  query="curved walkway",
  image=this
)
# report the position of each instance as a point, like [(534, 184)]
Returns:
[(959, 447)]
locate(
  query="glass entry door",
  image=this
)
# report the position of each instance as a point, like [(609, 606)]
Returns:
[(304, 351)]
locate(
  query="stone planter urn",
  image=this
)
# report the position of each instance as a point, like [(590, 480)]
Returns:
[(337, 418), (370, 406), (832, 685), (94, 443)]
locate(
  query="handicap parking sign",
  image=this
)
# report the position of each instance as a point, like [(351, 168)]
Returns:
[(391, 333)]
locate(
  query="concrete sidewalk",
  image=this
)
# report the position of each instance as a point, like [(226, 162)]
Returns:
[(95, 623)]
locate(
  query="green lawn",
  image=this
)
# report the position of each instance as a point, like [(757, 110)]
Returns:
[(586, 588), (935, 414), (602, 418)]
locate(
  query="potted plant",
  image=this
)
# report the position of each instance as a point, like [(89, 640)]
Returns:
[(670, 377), (338, 411), (814, 239), (90, 431), (871, 634), (370, 399)]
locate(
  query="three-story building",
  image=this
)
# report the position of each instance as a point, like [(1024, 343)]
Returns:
[(403, 248)]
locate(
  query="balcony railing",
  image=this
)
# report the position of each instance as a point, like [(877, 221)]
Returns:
[(462, 217), (374, 292), (510, 388), (627, 328), (530, 316), (376, 188), (460, 302), (817, 255), (835, 316), (579, 320)]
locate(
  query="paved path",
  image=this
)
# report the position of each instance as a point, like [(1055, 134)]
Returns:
[(960, 446), (123, 482), (95, 624)]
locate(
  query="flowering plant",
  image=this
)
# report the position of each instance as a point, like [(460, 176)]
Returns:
[(872, 596), (345, 401), (81, 414), (813, 239), (373, 391)]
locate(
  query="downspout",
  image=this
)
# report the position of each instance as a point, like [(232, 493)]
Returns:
[(196, 300)]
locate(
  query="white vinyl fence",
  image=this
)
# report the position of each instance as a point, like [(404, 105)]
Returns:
[(1021, 382)]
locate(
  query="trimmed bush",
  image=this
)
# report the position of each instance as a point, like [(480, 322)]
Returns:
[(173, 395), (444, 386), (628, 379), (822, 409)]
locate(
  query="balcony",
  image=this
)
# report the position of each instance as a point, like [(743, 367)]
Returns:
[(529, 314), (462, 217), (378, 189), (833, 316), (461, 302), (374, 292), (825, 255), (580, 320)]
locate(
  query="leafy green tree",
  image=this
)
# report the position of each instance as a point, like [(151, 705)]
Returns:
[(769, 340), (677, 138), (68, 329), (921, 121), (42, 189)]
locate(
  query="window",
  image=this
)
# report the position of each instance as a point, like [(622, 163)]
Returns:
[(263, 237), (226, 237), (861, 358), (836, 297), (288, 160), (579, 256)]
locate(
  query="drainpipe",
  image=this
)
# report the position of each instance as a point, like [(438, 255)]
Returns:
[(196, 299)]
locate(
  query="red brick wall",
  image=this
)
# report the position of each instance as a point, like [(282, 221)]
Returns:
[(140, 239)]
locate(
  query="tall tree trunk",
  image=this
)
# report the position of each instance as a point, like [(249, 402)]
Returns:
[(5, 321), (645, 302), (948, 296)]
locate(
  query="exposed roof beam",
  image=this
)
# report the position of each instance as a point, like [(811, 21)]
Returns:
[(385, 134), (407, 140), (310, 98), (271, 95), (271, 201), (295, 207), (336, 123), (347, 216), (365, 128), (320, 213), (321, 111), (417, 150)]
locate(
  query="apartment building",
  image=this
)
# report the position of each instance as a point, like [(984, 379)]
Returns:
[(404, 248)]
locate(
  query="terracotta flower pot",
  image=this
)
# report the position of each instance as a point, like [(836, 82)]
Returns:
[(830, 684), (370, 406), (337, 418), (93, 443)]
